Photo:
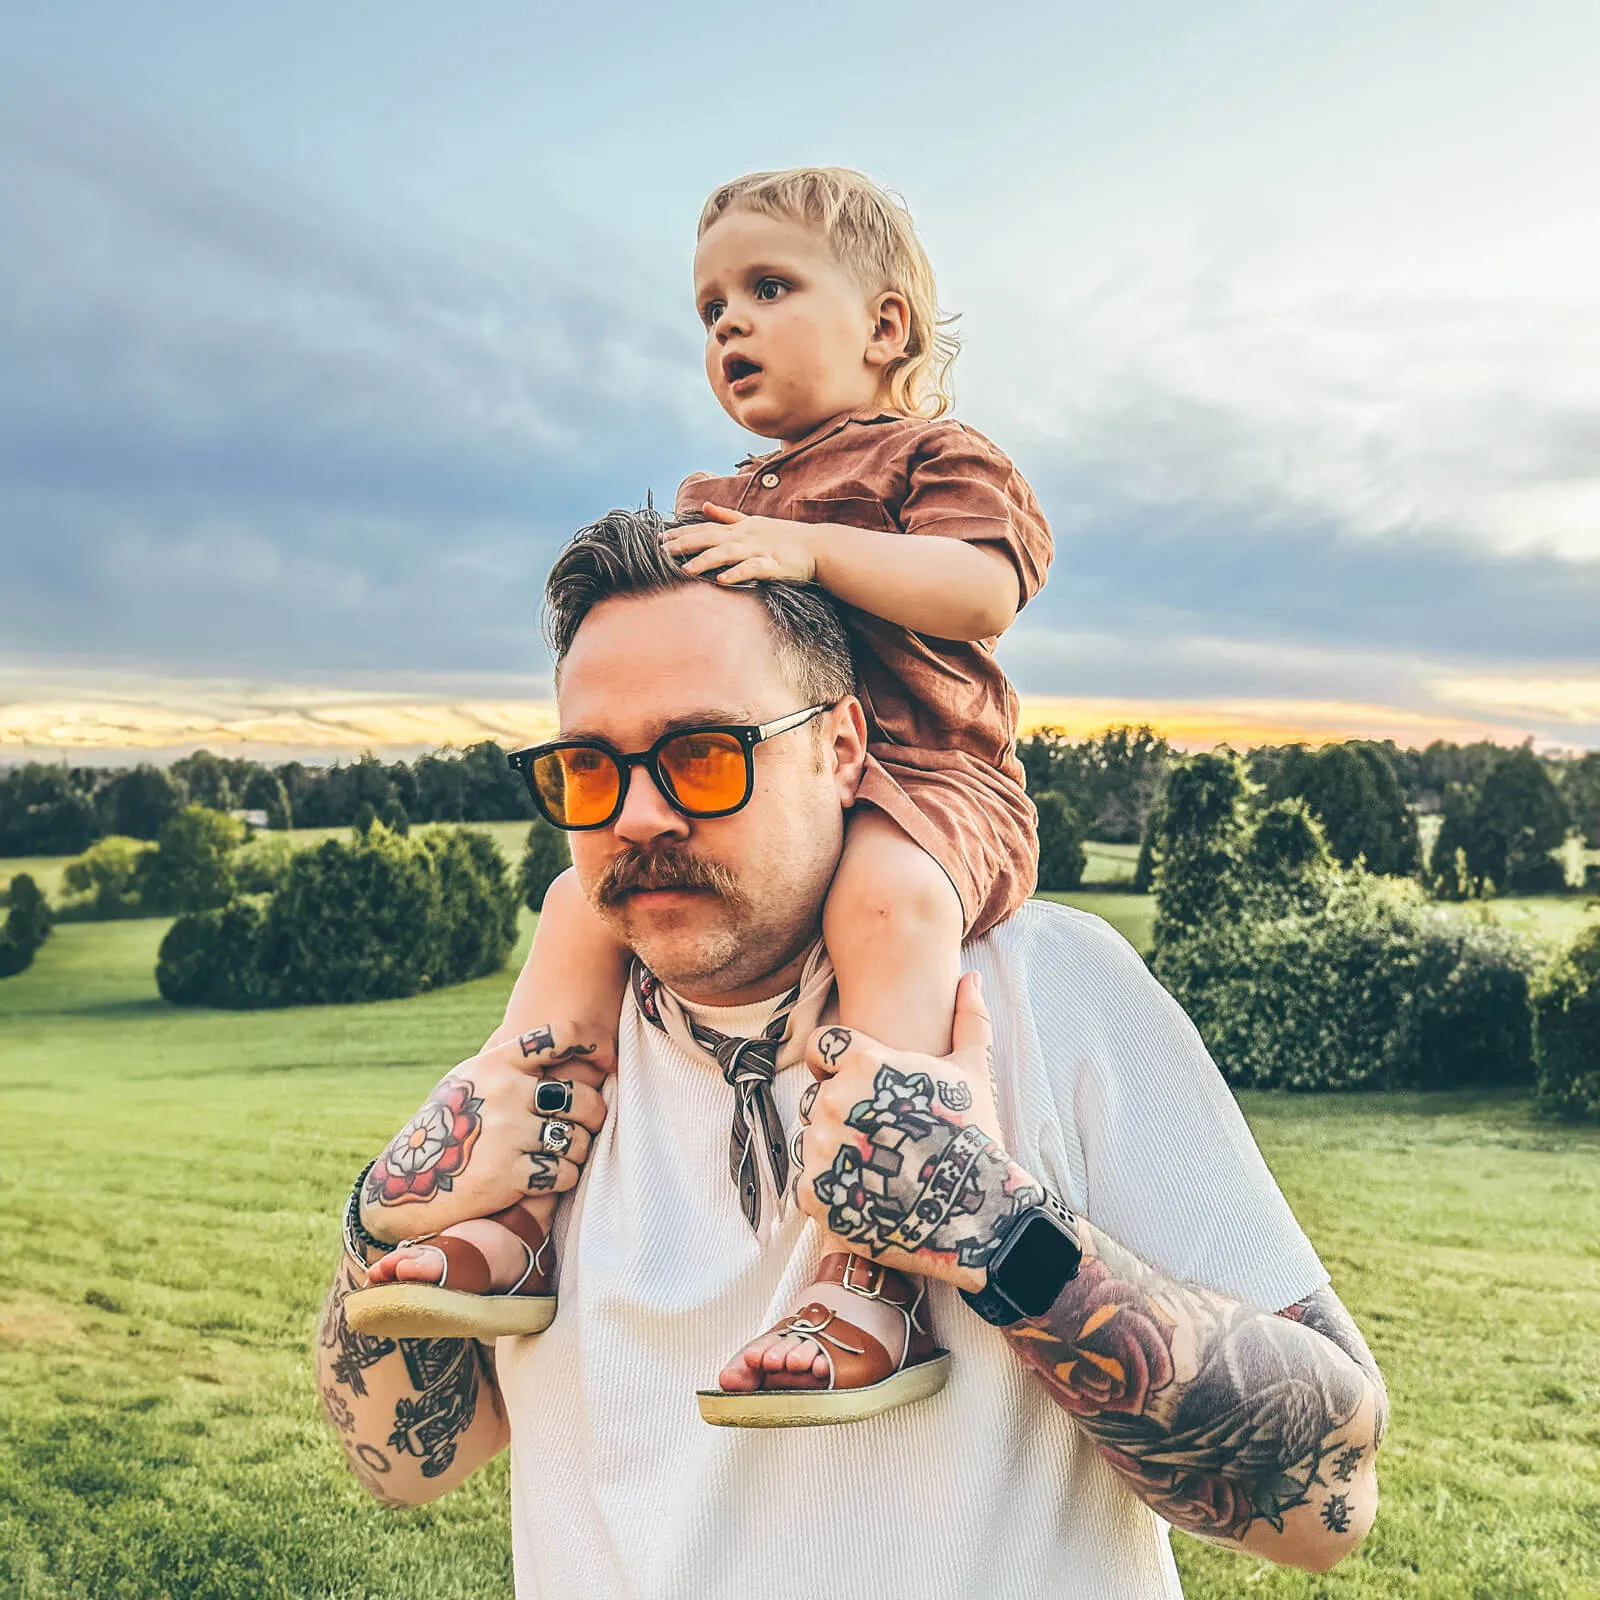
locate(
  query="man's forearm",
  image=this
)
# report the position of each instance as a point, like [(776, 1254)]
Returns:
[(1247, 1428), (414, 1417)]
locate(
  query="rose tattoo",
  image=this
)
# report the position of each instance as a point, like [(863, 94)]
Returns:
[(423, 1159)]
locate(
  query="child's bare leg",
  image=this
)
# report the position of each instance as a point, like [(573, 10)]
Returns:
[(571, 986), (893, 925)]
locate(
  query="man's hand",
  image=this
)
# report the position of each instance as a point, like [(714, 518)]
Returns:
[(902, 1154), (749, 548), (478, 1143)]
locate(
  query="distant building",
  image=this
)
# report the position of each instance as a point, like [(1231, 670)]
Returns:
[(256, 819)]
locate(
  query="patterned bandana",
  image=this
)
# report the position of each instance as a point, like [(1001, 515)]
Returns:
[(758, 1156)]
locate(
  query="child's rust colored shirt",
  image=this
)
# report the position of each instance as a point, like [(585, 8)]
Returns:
[(944, 715)]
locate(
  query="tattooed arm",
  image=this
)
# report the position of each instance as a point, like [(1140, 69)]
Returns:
[(1249, 1429), (414, 1417), (417, 1416)]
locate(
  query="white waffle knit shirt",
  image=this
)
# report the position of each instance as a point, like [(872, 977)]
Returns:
[(618, 1489)]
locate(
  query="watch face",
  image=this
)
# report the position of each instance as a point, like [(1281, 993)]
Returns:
[(1040, 1258)]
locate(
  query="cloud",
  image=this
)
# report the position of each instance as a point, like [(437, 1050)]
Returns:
[(233, 426), (244, 432)]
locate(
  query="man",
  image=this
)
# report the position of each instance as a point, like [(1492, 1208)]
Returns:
[(1149, 1339)]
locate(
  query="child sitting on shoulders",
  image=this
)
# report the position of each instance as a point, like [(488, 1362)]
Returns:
[(822, 334)]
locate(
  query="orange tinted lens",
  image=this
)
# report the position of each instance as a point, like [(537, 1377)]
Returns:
[(578, 786), (706, 770)]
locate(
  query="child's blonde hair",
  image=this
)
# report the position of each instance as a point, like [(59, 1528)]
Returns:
[(870, 230)]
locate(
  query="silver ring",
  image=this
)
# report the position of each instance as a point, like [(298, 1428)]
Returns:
[(557, 1137)]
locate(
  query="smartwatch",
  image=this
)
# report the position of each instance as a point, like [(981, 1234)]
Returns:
[(1038, 1257)]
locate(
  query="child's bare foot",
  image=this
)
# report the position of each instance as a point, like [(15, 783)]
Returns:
[(425, 1263), (819, 1333), (795, 1360)]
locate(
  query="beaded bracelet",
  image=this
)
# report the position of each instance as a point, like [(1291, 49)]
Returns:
[(356, 1238)]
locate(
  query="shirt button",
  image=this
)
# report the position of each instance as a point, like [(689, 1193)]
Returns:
[(769, 480)]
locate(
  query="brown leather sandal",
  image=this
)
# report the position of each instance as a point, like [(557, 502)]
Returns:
[(864, 1380), (468, 1308)]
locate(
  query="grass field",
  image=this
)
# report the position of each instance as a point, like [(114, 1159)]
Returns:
[(170, 1182)]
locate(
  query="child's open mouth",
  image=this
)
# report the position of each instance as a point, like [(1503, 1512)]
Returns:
[(740, 373)]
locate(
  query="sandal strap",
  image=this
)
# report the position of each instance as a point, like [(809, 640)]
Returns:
[(466, 1269), (535, 1279), (855, 1358)]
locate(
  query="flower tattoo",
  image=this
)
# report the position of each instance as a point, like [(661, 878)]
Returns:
[(424, 1158), (1121, 1350)]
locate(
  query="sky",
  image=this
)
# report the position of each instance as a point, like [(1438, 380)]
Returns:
[(322, 327)]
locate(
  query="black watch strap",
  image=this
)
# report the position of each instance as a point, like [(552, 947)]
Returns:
[(990, 1302)]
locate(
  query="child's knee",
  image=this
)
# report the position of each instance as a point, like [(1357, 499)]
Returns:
[(564, 897), (903, 895)]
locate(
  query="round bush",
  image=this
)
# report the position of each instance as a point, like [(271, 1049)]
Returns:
[(544, 859), (1566, 1030), (213, 958)]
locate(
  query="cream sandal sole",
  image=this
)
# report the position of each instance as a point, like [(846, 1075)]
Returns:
[(425, 1311), (817, 1408)]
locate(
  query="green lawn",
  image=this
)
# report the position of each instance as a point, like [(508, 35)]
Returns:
[(170, 1182)]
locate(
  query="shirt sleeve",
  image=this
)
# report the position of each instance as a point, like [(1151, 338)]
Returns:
[(1164, 1160), (964, 487), (692, 493)]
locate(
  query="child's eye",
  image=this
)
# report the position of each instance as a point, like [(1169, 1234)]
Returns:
[(770, 288), (710, 311)]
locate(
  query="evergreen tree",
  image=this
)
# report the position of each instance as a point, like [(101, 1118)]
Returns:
[(544, 859), (26, 927)]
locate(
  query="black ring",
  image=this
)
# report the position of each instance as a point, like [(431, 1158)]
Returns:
[(559, 1098)]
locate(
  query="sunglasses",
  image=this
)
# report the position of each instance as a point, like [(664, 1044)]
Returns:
[(702, 772)]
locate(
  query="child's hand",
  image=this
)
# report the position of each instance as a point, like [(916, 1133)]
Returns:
[(746, 547)]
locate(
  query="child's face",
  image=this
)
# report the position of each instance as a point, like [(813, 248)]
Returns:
[(791, 340)]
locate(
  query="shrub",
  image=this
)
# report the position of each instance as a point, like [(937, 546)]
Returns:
[(213, 958), (1302, 974), (1365, 990), (108, 878), (544, 859), (375, 917), (27, 925), (190, 868), (1566, 1031), (478, 905), (356, 919), (262, 865), (1061, 854)]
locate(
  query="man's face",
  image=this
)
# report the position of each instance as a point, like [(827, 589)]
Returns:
[(641, 666)]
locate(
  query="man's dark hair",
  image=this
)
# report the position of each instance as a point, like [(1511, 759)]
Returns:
[(622, 554)]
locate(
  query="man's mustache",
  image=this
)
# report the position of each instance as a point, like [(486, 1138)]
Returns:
[(664, 869)]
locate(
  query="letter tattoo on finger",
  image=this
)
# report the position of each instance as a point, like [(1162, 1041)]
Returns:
[(833, 1044), (957, 1096), (807, 1101), (546, 1169), (542, 1042)]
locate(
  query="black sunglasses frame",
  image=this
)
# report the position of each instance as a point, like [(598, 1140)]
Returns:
[(749, 735)]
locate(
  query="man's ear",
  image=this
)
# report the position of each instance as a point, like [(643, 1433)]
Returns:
[(845, 747), (891, 329)]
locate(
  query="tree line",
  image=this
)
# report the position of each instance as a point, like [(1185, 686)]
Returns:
[(1504, 810), (60, 811)]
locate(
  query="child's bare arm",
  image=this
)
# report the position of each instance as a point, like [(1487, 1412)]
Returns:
[(944, 587)]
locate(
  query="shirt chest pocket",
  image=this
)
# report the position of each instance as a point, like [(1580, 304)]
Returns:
[(850, 512)]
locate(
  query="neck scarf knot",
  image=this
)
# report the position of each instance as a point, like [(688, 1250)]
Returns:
[(758, 1153)]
